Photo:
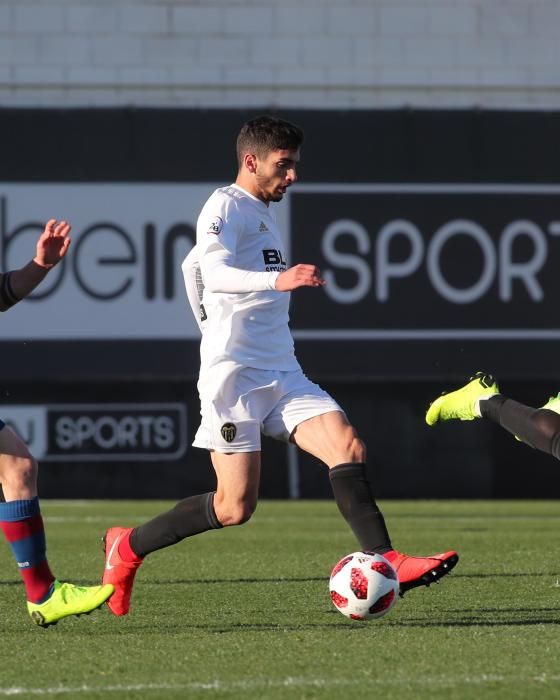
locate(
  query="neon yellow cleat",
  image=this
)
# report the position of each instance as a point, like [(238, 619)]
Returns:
[(462, 404), (68, 599), (553, 404)]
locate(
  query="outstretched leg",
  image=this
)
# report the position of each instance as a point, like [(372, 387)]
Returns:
[(330, 438), (481, 398), (538, 427), (233, 503)]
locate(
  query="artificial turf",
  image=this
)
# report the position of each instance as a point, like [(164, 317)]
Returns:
[(245, 612)]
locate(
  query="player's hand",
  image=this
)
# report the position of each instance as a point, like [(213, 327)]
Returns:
[(299, 276), (53, 243)]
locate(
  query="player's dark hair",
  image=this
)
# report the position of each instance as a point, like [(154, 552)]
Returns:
[(264, 134)]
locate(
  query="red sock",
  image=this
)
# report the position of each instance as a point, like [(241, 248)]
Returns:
[(125, 550)]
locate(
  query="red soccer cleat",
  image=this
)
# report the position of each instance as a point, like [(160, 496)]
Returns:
[(420, 571), (117, 571)]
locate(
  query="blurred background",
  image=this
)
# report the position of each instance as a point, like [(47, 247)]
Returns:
[(428, 195)]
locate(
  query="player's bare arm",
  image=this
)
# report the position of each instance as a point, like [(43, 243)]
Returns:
[(52, 246), (299, 276)]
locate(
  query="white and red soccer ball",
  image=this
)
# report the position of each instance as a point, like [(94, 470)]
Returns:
[(364, 586)]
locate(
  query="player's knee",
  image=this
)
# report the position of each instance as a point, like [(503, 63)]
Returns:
[(18, 472), (236, 513), (359, 450), (353, 447)]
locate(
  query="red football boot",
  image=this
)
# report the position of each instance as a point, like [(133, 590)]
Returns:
[(117, 571), (420, 571)]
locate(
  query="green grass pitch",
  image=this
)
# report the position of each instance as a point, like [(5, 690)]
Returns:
[(245, 612)]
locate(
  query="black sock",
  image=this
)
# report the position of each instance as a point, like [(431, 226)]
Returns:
[(190, 516), (538, 427), (355, 501)]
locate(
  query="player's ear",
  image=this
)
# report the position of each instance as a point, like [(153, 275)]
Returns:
[(250, 160)]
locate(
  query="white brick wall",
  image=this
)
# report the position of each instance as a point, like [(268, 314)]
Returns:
[(307, 53)]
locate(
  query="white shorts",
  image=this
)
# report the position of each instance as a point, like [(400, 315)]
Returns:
[(239, 403)]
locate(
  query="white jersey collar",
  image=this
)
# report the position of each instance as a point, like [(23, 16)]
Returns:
[(252, 196)]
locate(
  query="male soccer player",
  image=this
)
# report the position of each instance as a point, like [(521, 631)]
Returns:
[(250, 382), (481, 398), (48, 600)]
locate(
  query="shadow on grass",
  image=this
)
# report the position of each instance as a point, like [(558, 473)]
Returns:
[(482, 516), (228, 581), (356, 626), (503, 610), (478, 622), (508, 574)]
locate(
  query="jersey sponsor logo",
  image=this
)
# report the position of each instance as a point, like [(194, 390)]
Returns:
[(273, 260), (263, 227), (228, 431), (216, 225)]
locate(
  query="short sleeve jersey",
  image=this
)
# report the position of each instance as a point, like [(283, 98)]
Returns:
[(250, 328)]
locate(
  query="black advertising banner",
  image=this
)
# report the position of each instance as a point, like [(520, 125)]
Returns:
[(78, 433), (437, 232), (429, 262)]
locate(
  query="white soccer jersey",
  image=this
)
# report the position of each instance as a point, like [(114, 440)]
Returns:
[(193, 284), (240, 253)]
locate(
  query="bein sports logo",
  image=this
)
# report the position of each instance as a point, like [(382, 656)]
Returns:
[(429, 260), (90, 432), (381, 236), (108, 258)]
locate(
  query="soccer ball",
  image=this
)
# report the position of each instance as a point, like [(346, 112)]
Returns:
[(364, 586)]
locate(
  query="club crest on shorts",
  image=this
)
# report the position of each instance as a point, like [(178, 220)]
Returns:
[(228, 431)]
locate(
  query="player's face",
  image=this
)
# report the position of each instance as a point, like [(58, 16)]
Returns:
[(275, 173)]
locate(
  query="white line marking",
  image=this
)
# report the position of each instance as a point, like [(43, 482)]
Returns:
[(426, 334), (289, 682), (135, 517), (423, 188), (106, 519)]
